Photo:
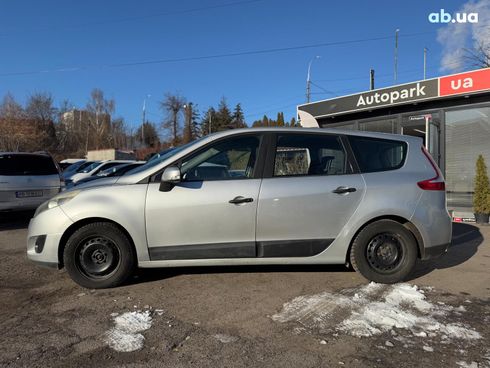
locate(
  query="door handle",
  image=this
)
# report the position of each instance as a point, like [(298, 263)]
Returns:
[(342, 190), (240, 199)]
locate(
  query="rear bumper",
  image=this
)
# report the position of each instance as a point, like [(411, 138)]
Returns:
[(435, 251)]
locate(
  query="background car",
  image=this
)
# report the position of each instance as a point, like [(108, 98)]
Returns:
[(117, 170), (73, 168), (27, 180), (93, 169), (66, 163)]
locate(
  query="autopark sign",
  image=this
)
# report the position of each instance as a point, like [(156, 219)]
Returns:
[(456, 84), (478, 80)]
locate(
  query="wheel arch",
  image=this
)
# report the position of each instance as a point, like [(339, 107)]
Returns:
[(401, 220), (77, 225)]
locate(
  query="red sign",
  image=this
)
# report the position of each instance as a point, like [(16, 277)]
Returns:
[(478, 80)]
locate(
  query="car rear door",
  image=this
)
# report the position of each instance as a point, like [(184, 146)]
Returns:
[(211, 213), (310, 190)]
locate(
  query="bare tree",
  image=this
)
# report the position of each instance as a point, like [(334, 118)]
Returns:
[(42, 113), (11, 113), (173, 105), (479, 56), (100, 110)]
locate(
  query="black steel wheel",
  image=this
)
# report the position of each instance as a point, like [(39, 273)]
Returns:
[(99, 255), (384, 251)]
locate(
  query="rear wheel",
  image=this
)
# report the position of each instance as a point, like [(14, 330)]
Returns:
[(99, 255), (384, 251)]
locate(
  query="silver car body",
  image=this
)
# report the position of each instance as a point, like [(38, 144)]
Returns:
[(197, 215), (27, 191)]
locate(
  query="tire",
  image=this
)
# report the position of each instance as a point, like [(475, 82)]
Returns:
[(384, 252), (99, 255)]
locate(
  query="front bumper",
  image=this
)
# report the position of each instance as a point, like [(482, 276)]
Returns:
[(44, 236)]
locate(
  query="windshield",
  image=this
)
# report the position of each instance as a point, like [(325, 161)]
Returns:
[(88, 168), (162, 158), (110, 170)]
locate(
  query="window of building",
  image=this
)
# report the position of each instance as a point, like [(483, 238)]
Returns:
[(467, 136), (382, 126)]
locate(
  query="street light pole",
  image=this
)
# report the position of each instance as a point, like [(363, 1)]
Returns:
[(308, 79), (143, 120), (396, 55)]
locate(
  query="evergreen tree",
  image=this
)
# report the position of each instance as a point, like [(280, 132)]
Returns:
[(149, 134), (481, 202), (238, 118), (223, 119), (265, 121), (280, 119)]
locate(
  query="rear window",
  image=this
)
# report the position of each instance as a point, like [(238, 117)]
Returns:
[(25, 165), (375, 154)]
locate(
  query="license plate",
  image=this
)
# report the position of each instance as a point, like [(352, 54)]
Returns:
[(29, 193)]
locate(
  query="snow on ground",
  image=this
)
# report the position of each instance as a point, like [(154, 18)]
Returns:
[(374, 309), (126, 335)]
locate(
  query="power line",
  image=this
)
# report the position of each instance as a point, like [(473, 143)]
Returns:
[(136, 18), (209, 57)]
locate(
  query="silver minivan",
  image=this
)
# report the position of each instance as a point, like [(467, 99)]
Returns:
[(254, 196), (27, 180)]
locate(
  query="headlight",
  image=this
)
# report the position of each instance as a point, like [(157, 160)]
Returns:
[(56, 201)]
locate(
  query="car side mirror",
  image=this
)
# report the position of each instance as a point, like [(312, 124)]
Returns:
[(170, 177)]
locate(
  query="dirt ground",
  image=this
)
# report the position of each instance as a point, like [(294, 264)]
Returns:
[(250, 316)]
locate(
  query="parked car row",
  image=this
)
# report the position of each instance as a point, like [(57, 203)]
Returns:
[(29, 179)]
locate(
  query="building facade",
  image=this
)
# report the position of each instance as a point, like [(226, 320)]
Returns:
[(451, 114)]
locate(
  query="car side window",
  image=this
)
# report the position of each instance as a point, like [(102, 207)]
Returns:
[(309, 154), (233, 158), (375, 154)]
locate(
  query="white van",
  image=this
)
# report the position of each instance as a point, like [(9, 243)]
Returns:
[(27, 180)]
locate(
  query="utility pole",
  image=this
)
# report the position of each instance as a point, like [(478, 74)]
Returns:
[(425, 62), (308, 79), (371, 79), (210, 120), (396, 55)]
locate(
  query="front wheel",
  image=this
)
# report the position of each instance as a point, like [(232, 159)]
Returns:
[(384, 251), (99, 255)]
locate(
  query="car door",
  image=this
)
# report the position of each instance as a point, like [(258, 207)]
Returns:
[(309, 191), (211, 212)]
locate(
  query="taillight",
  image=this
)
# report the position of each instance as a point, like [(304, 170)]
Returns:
[(435, 183)]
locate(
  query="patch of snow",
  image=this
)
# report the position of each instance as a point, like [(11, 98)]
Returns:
[(467, 365), (374, 309), (428, 348), (126, 335), (225, 339)]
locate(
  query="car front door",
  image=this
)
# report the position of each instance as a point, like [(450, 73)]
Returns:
[(211, 213), (309, 191)]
